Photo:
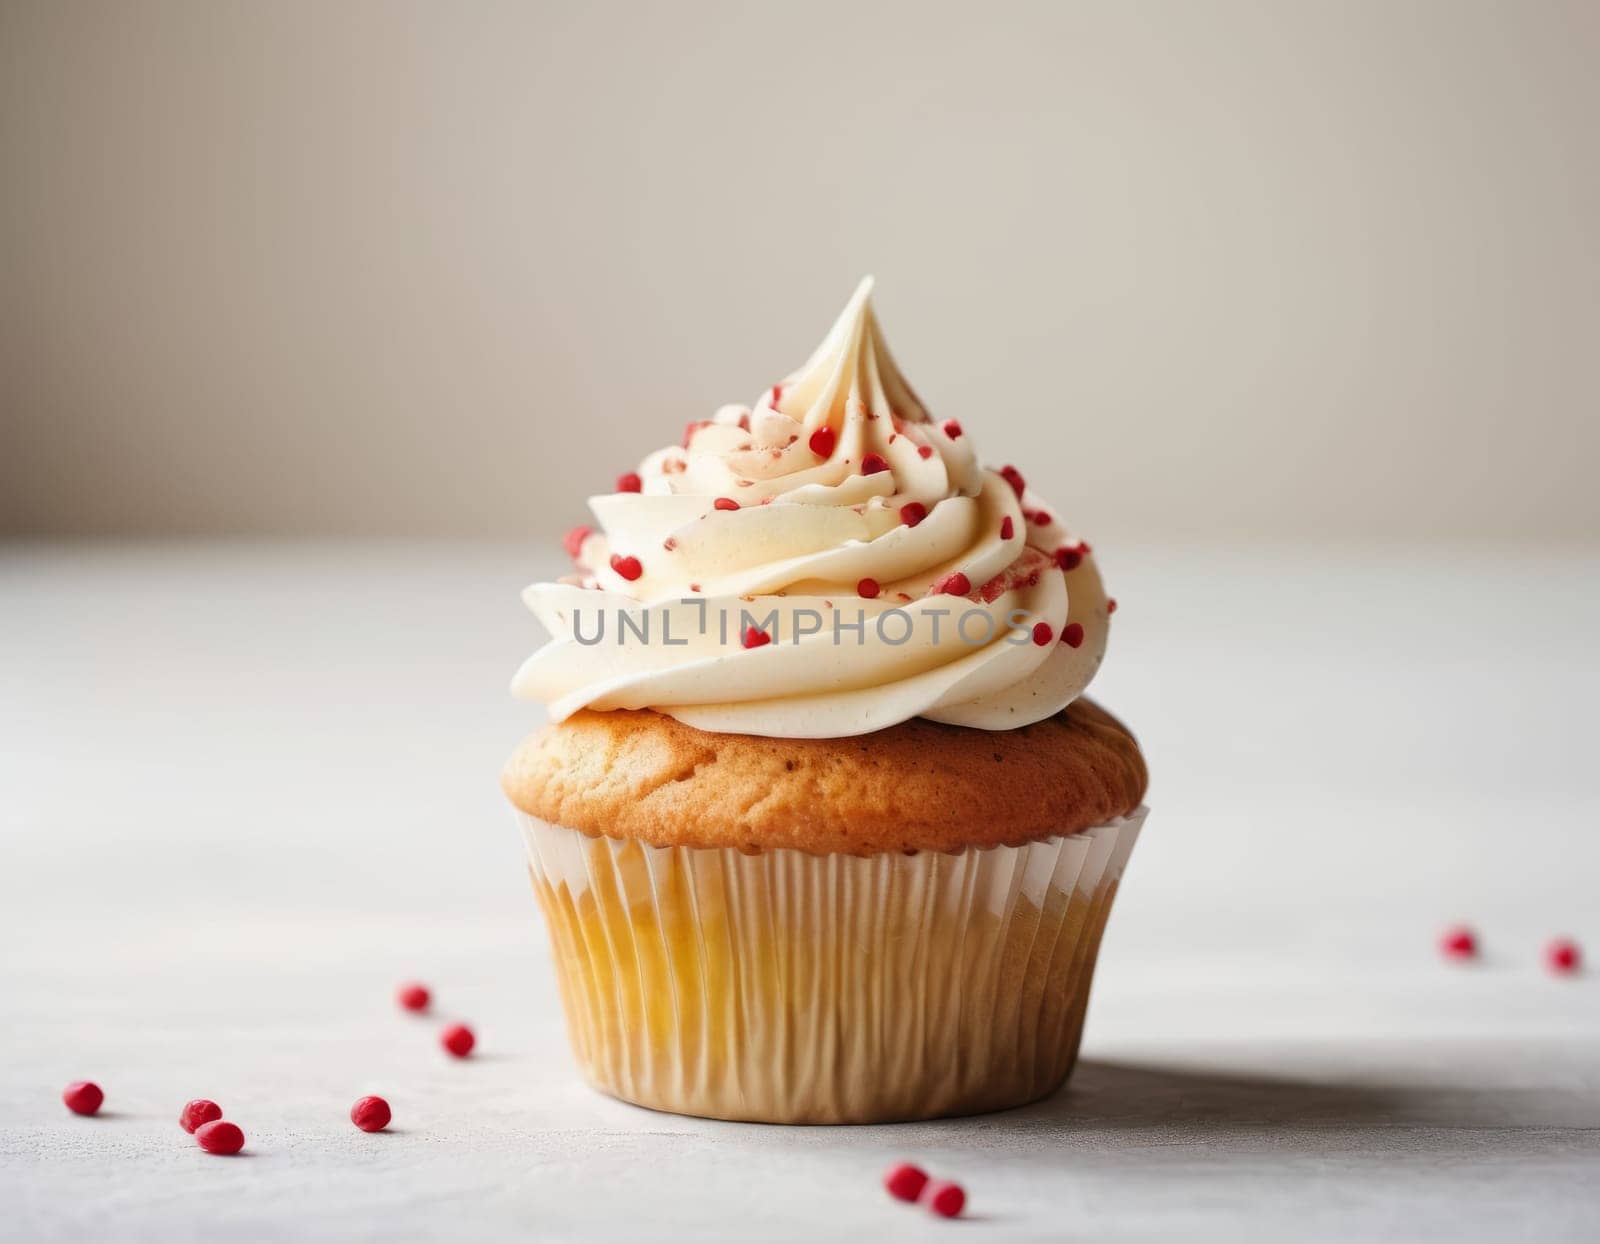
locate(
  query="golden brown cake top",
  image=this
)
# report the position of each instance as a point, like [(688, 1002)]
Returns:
[(917, 786)]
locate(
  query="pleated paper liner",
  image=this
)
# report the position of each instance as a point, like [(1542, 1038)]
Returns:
[(784, 987)]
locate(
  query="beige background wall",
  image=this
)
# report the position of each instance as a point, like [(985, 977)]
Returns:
[(1208, 269)]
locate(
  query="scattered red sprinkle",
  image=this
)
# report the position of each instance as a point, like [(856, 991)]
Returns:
[(1041, 518), (873, 463), (744, 423), (413, 997), (1083, 547), (725, 503), (1013, 477), (776, 395), (670, 543), (867, 588), (905, 1182), (1111, 604), (1563, 956), (219, 1136), (628, 567), (198, 1113), (1072, 634), (1458, 942), (946, 1199), (754, 638), (458, 1039), (953, 584), (573, 540), (83, 1097), (952, 429), (1068, 559), (924, 451), (694, 587), (629, 482), (822, 441), (370, 1114), (1042, 634), (1007, 527), (912, 513)]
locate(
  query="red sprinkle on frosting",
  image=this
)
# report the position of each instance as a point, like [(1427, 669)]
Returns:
[(873, 463), (953, 584), (867, 589), (1563, 955), (924, 451), (822, 441), (1458, 942), (952, 429), (1040, 518), (198, 1113), (725, 503), (754, 638), (1007, 527), (573, 540), (629, 482), (946, 1199), (1013, 477), (82, 1097), (776, 396), (1072, 634), (628, 567), (1042, 634), (905, 1182), (912, 513), (1111, 604), (1068, 559)]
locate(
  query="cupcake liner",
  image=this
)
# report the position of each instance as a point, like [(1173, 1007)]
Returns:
[(797, 988)]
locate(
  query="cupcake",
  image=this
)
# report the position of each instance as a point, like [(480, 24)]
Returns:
[(822, 826)]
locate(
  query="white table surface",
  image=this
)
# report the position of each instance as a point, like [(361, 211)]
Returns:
[(249, 788)]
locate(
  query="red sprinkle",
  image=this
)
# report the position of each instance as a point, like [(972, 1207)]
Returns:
[(912, 513), (1068, 559), (952, 429), (953, 584), (1071, 634), (198, 1113), (776, 395), (629, 482), (628, 567), (370, 1114), (1040, 518), (220, 1136), (756, 639), (725, 503), (924, 451), (83, 1097), (744, 423), (1007, 527), (1458, 942), (873, 463), (413, 997), (1013, 477), (1563, 956), (573, 540), (867, 588), (822, 441), (1042, 634), (905, 1182), (1111, 604), (946, 1199), (458, 1039)]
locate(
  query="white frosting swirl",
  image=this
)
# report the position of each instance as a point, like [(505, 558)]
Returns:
[(835, 483)]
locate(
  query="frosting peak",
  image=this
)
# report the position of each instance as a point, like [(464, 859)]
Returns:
[(824, 563)]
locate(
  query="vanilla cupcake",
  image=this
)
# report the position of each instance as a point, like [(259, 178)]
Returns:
[(821, 828)]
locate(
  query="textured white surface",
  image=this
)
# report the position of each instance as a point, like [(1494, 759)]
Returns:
[(248, 789)]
